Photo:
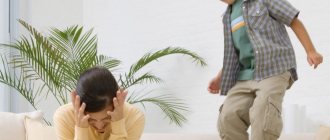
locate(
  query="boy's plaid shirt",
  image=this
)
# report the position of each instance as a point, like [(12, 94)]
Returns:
[(273, 51)]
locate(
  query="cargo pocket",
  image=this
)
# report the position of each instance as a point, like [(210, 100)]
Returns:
[(220, 124), (288, 78), (273, 120)]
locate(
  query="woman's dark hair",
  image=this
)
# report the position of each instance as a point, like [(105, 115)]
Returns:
[(96, 87)]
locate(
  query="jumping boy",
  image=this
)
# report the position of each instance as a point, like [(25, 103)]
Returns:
[(259, 66)]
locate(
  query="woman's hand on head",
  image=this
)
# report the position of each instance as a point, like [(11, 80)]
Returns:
[(118, 102), (81, 119)]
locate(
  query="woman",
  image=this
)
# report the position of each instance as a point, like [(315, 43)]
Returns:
[(98, 111)]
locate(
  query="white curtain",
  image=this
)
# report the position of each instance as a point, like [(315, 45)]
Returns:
[(4, 38)]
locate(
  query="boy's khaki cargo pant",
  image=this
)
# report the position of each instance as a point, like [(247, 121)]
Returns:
[(255, 103)]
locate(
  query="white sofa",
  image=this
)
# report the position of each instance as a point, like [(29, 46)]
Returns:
[(24, 126), (28, 126)]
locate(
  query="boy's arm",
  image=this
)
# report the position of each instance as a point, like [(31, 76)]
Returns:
[(313, 57), (214, 85)]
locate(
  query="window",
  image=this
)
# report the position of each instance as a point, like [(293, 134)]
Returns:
[(4, 38)]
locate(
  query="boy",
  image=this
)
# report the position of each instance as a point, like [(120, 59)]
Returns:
[(259, 66)]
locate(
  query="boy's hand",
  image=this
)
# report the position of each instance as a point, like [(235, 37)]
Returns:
[(118, 102), (79, 111), (214, 87), (314, 58)]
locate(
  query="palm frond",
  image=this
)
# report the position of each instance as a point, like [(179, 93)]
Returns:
[(170, 105), (150, 57), (107, 62), (37, 35), (79, 51), (8, 77), (128, 81), (35, 63), (43, 58)]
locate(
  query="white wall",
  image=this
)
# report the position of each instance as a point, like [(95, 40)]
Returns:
[(128, 29), (51, 13), (312, 90)]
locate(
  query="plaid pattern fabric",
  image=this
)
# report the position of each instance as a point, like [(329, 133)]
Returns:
[(273, 51)]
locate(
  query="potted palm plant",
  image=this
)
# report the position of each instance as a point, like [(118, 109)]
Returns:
[(40, 66)]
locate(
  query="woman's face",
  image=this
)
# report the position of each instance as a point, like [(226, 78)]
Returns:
[(228, 1), (100, 120)]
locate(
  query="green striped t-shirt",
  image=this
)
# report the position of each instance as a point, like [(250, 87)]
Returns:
[(242, 42)]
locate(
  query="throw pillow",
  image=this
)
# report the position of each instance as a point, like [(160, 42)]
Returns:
[(323, 133), (36, 130)]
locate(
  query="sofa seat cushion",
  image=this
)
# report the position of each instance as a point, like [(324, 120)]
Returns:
[(179, 136), (183, 136)]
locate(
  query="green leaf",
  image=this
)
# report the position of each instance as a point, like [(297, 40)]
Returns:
[(170, 105), (150, 57)]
